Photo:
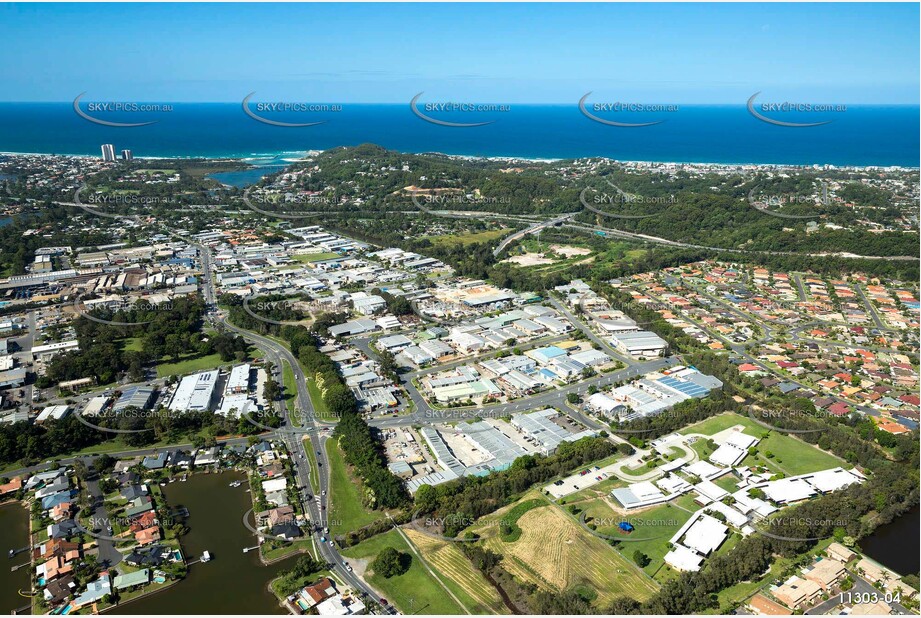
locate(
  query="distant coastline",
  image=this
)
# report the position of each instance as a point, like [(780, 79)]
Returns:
[(863, 136), (498, 158)]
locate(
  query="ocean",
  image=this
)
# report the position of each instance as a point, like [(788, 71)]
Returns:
[(860, 136)]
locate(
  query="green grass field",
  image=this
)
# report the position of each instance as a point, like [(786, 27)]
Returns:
[(314, 257), (413, 592), (728, 482), (458, 574), (555, 553), (314, 470), (133, 344), (346, 511), (792, 456), (316, 398), (190, 365), (290, 384), (716, 424), (468, 239), (652, 529)]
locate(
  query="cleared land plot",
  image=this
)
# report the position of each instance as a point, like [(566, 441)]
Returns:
[(190, 365), (598, 490), (413, 592), (556, 554), (346, 511), (314, 257), (459, 574), (469, 239)]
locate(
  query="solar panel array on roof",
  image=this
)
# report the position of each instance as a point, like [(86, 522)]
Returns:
[(688, 388)]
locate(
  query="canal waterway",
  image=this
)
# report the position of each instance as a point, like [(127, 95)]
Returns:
[(14, 534), (233, 582)]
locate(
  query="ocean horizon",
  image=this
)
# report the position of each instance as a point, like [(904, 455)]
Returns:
[(861, 136)]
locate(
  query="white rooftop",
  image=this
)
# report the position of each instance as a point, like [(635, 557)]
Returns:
[(710, 490), (788, 490), (705, 535), (832, 480), (683, 559), (703, 469)]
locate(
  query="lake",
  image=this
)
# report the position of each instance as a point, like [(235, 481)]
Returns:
[(895, 545), (244, 178), (232, 582)]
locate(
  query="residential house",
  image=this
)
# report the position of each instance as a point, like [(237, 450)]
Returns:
[(763, 606), (797, 593), (827, 572)]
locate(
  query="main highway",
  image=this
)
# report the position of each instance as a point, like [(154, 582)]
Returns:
[(297, 435)]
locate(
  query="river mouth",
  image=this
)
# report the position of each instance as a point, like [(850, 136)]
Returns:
[(232, 582)]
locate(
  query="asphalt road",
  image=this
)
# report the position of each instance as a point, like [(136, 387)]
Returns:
[(861, 586), (293, 438), (109, 556)]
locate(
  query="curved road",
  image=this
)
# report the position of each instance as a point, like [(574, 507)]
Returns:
[(294, 438)]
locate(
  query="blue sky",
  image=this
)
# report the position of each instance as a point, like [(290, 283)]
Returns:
[(511, 53)]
